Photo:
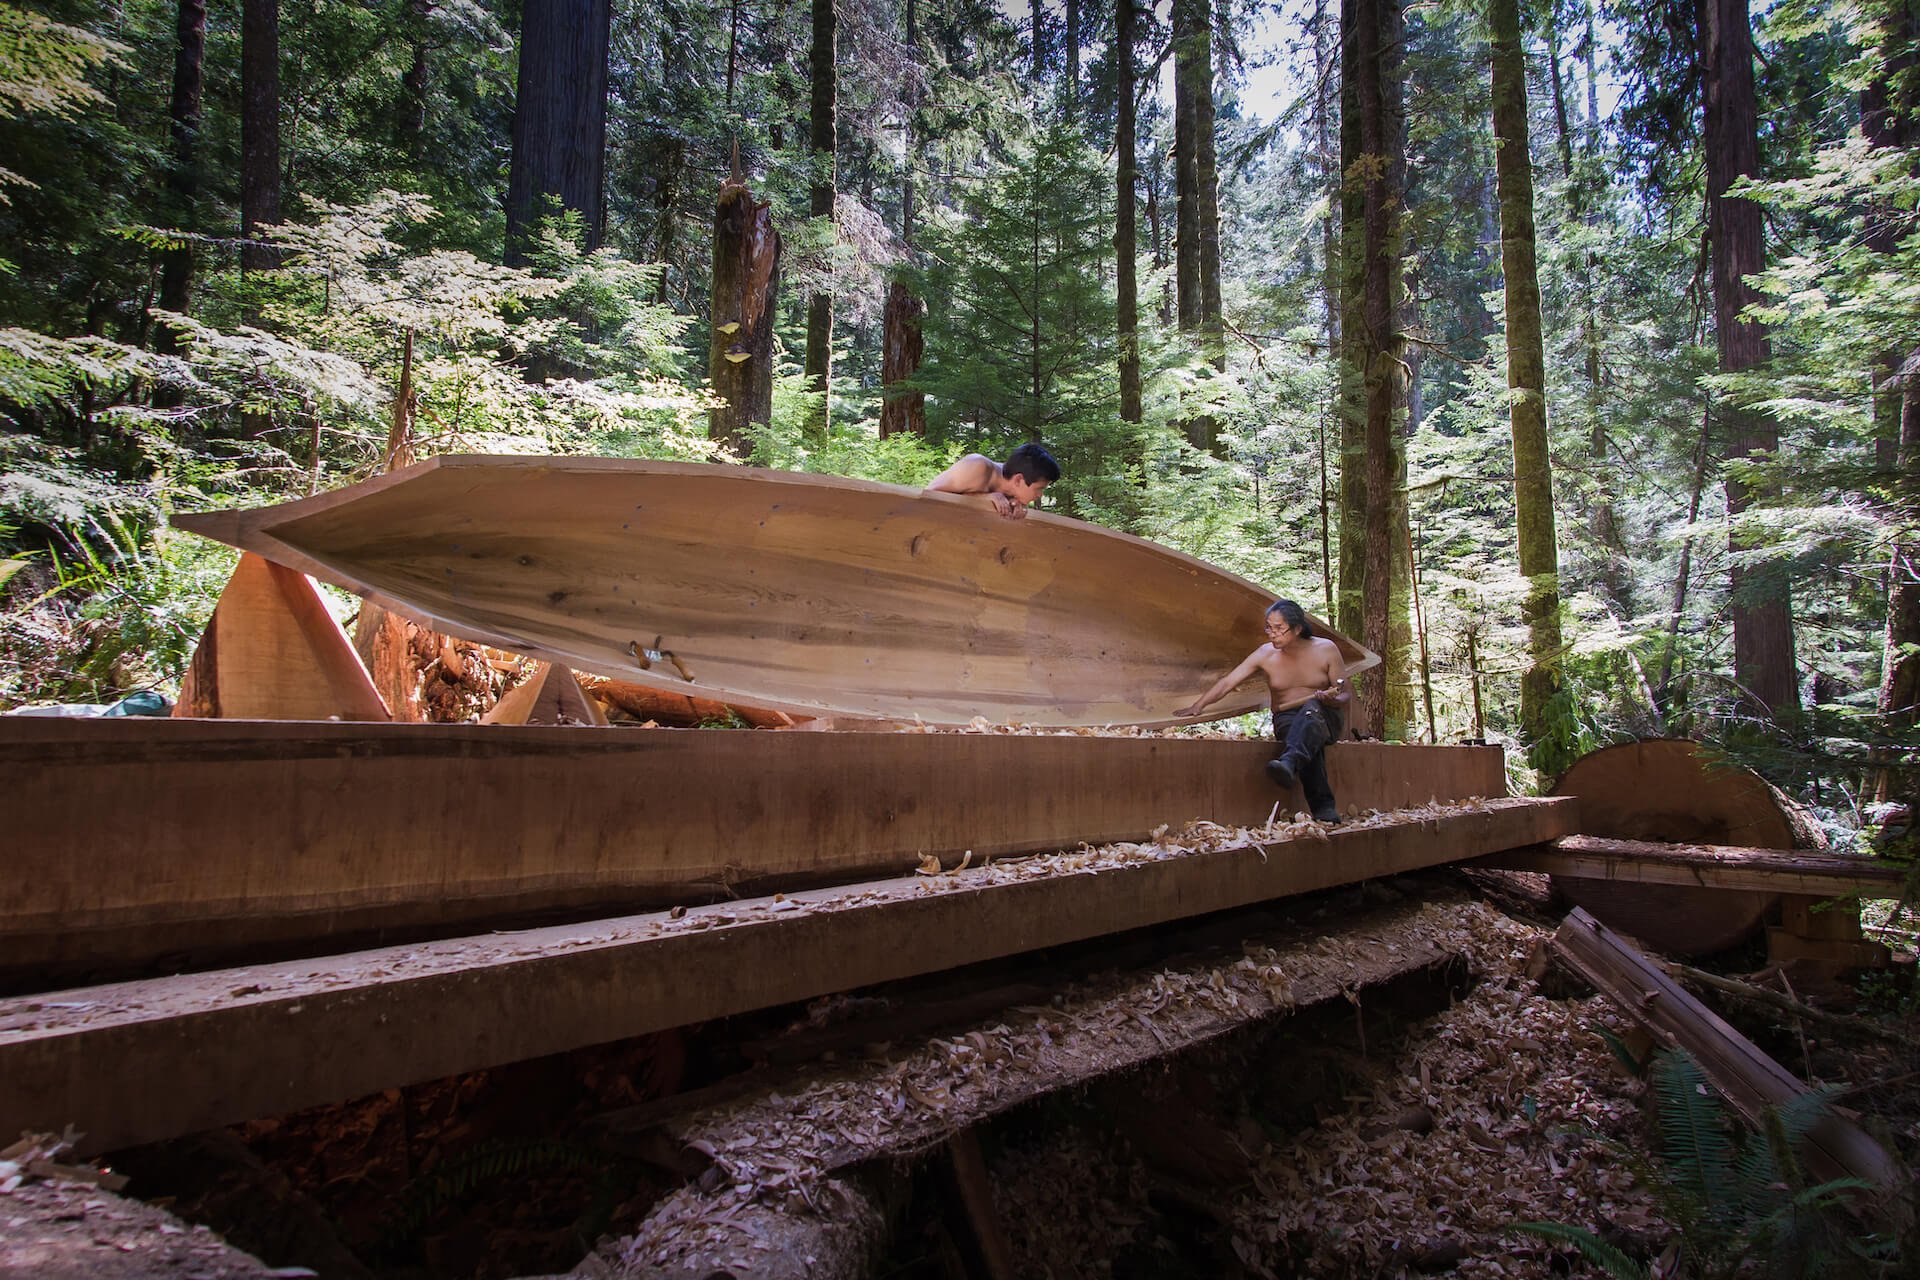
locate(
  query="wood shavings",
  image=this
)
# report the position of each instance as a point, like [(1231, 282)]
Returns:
[(1524, 1098)]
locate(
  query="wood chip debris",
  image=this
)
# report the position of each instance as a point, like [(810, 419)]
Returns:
[(778, 1147), (1532, 1116)]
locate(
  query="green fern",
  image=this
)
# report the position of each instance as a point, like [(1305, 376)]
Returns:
[(1738, 1198), (1595, 1250)]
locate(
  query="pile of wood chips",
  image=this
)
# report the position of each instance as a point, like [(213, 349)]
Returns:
[(1523, 1096), (1531, 1117)]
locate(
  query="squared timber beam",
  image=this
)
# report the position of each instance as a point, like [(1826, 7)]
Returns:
[(1808, 872), (244, 1043), (135, 839)]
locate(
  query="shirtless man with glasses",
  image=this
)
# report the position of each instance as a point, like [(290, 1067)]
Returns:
[(1307, 683)]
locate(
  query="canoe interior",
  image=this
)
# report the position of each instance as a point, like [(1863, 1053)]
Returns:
[(806, 593)]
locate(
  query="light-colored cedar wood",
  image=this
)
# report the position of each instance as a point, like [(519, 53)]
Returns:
[(1748, 1079), (1819, 873), (809, 594), (1674, 790), (241, 1043), (671, 709), (275, 832), (271, 651), (549, 696)]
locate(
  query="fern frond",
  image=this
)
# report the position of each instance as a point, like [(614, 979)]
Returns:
[(1612, 1261)]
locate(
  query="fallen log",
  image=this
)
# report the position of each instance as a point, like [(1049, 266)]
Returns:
[(1747, 1078), (1790, 1007)]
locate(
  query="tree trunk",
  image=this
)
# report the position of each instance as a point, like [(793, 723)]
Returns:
[(746, 277), (1371, 51), (413, 86), (1193, 168), (259, 130), (1073, 56), (1125, 233), (559, 120), (1039, 42), (1526, 393), (1759, 603), (819, 359), (1186, 176), (1887, 120), (1351, 356), (183, 178), (900, 354), (1324, 62)]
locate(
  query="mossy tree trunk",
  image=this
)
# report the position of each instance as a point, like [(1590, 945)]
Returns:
[(1125, 229), (1374, 386), (1526, 393)]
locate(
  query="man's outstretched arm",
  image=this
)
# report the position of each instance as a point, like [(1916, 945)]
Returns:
[(1221, 686)]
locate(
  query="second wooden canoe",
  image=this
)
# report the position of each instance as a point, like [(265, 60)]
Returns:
[(811, 594)]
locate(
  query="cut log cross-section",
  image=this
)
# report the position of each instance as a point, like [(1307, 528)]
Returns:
[(1672, 790), (273, 652)]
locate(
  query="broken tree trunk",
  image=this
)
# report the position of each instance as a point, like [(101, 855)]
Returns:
[(1750, 1081), (1672, 790), (746, 275)]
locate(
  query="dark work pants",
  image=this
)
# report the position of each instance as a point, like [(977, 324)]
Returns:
[(1303, 734)]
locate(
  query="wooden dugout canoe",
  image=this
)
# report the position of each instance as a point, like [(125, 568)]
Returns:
[(806, 593)]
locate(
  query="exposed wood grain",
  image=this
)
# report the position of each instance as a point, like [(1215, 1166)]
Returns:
[(1748, 1079), (242, 1043), (1674, 790), (271, 651), (549, 696), (810, 594), (253, 832)]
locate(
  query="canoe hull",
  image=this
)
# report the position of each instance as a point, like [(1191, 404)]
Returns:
[(811, 594)]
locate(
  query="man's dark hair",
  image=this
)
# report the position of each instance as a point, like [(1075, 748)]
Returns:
[(1293, 615), (1032, 463)]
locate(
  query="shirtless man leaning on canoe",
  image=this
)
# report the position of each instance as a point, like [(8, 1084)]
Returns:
[(1013, 485), (1307, 682)]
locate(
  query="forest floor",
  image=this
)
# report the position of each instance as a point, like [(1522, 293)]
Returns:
[(1391, 1140)]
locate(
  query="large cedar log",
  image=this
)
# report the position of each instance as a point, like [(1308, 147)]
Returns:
[(1674, 790)]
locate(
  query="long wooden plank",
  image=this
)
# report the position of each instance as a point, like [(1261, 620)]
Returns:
[(1748, 1079), (805, 593), (1801, 871), (130, 839), (258, 1041)]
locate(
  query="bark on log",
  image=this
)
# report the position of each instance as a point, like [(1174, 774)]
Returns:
[(1750, 1081), (900, 355)]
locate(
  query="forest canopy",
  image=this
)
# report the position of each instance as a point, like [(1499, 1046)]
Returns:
[(1566, 354)]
